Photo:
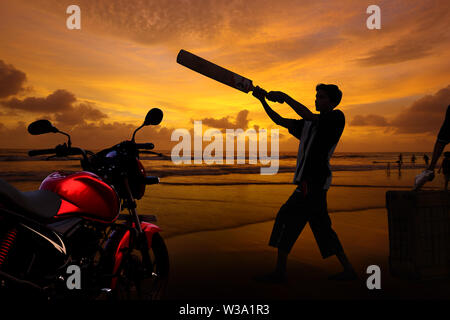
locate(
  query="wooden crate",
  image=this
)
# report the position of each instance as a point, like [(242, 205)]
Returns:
[(419, 234)]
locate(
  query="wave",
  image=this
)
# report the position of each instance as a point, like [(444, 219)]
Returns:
[(22, 155), (23, 176), (237, 183), (216, 170), (212, 170)]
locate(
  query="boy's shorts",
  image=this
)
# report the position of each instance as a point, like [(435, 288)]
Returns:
[(293, 216)]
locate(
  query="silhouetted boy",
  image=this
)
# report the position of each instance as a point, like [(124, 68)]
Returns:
[(445, 166), (319, 135)]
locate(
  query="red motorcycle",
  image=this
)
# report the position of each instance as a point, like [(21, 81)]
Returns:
[(73, 226)]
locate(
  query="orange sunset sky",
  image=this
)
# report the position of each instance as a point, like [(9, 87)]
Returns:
[(98, 82)]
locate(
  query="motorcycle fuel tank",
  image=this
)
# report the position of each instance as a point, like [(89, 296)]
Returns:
[(83, 194)]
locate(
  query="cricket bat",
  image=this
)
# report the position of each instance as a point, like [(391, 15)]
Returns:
[(214, 71)]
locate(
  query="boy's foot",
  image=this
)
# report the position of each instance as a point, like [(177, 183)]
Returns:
[(344, 276), (273, 277)]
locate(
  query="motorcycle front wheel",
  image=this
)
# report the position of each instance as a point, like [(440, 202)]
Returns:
[(135, 283)]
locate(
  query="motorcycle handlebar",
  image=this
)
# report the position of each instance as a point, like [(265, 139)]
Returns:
[(145, 146), (39, 152), (59, 151), (151, 180)]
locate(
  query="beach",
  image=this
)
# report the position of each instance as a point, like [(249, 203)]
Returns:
[(216, 222), (220, 265)]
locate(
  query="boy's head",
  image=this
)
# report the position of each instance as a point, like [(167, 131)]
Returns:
[(328, 96), (447, 154)]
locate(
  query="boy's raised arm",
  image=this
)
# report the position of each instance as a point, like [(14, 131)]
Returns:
[(300, 109), (260, 94)]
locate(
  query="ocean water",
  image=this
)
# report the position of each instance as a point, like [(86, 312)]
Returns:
[(193, 198), (16, 165)]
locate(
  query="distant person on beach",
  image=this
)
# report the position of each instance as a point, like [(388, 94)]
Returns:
[(319, 135), (400, 162), (413, 160), (445, 167), (426, 159), (442, 140)]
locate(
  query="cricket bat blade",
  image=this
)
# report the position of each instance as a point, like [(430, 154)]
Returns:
[(213, 71)]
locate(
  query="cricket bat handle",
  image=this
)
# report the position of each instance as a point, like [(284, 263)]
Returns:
[(252, 88)]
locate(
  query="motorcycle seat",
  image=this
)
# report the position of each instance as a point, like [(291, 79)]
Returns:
[(41, 204)]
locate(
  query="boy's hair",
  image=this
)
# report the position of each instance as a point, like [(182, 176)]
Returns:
[(332, 92), (447, 154)]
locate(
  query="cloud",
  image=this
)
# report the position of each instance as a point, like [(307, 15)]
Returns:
[(58, 101), (62, 105), (163, 21), (268, 53), (107, 134), (400, 51), (409, 32), (369, 120), (91, 136), (11, 80), (241, 121), (425, 115), (79, 114)]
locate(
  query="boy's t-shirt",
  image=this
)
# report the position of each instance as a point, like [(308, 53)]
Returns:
[(318, 139)]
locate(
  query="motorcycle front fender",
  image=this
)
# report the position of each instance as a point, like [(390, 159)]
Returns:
[(124, 244)]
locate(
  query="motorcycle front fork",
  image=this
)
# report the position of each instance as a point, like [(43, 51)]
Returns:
[(142, 243)]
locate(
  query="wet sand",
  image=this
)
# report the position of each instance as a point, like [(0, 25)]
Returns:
[(221, 264)]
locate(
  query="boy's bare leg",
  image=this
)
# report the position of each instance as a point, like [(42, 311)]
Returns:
[(281, 263), (279, 275), (349, 273), (344, 261)]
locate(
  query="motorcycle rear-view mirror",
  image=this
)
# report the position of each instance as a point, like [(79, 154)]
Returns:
[(153, 117), (41, 127)]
